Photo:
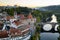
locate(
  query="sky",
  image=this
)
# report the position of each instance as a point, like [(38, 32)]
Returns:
[(29, 3)]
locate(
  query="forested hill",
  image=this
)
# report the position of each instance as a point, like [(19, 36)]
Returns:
[(54, 8), (10, 9)]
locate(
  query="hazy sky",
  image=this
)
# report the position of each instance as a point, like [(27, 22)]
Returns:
[(30, 3)]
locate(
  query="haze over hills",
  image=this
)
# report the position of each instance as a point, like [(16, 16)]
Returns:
[(54, 8)]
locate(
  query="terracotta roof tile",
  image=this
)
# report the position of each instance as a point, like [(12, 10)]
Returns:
[(29, 16), (17, 22)]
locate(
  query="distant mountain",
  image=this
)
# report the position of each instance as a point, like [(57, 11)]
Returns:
[(54, 8)]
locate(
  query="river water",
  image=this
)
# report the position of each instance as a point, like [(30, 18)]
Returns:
[(49, 36)]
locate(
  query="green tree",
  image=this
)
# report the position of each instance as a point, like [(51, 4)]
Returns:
[(38, 19), (10, 11)]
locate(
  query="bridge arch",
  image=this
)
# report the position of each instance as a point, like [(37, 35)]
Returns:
[(49, 27)]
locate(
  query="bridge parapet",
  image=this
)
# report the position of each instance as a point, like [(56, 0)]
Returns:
[(53, 28)]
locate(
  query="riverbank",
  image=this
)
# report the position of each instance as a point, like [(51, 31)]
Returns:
[(36, 35)]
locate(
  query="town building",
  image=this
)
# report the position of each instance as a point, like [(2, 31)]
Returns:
[(17, 25)]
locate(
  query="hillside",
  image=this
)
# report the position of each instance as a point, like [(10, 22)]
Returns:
[(54, 8)]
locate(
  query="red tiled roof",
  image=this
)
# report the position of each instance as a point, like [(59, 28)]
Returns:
[(15, 32), (9, 17), (29, 16), (17, 22), (22, 16), (20, 31), (3, 34)]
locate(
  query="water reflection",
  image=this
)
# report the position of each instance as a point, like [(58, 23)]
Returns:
[(49, 36), (59, 37)]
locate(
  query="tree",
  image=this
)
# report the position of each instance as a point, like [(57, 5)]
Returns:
[(10, 11), (38, 19)]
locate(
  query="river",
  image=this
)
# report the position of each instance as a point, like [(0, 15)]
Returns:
[(49, 36)]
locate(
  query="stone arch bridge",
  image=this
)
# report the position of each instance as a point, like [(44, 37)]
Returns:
[(49, 27)]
